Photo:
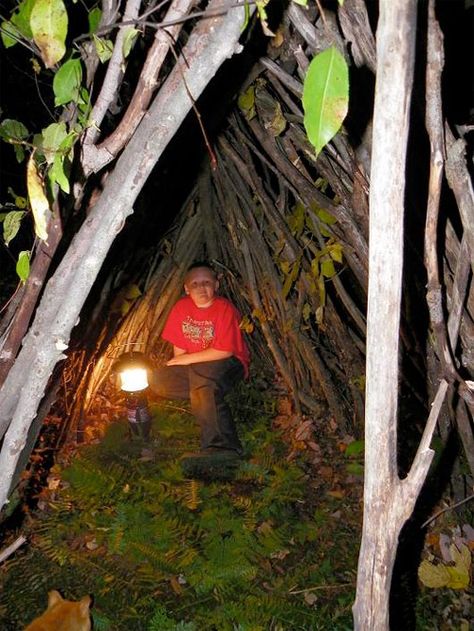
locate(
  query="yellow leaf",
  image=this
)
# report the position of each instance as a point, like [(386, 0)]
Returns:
[(259, 314), (433, 575), (327, 268), (49, 23), (176, 586), (278, 40), (132, 291), (277, 124), (246, 103), (458, 578), (461, 556), (38, 201), (337, 493), (285, 267), (125, 307), (335, 252), (319, 315), (459, 574), (246, 325)]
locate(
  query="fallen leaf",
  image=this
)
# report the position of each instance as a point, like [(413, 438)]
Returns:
[(176, 586), (432, 575), (337, 493), (310, 598), (92, 544)]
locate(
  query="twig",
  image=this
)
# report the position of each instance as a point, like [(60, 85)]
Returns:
[(319, 587), (207, 14), (444, 510), (212, 155), (9, 550)]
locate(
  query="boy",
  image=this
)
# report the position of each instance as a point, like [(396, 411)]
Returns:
[(209, 357)]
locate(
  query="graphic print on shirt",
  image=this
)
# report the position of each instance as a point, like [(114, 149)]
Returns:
[(199, 332)]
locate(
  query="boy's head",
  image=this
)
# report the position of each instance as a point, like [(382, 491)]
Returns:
[(201, 284)]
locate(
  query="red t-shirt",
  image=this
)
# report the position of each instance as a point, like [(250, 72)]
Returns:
[(194, 328)]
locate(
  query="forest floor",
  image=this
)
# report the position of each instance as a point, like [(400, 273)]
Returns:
[(272, 548)]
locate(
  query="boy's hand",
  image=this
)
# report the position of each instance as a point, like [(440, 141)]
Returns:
[(179, 360), (208, 355)]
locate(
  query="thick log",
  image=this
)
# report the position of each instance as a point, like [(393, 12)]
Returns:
[(386, 503)]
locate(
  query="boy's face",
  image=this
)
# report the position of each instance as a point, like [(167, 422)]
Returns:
[(201, 286)]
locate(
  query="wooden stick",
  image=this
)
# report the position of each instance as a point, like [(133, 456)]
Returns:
[(9, 550)]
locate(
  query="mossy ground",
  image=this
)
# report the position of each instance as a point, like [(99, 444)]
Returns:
[(273, 548)]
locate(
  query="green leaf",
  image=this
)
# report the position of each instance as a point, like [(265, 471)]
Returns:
[(103, 47), (94, 19), (325, 97), (246, 103), (11, 129), (129, 41), (48, 23), (52, 139), (326, 217), (23, 265), (11, 225), (57, 175), (297, 219), (67, 82), (355, 448), (327, 268), (10, 34), (356, 468), (263, 17), (303, 3), (21, 18)]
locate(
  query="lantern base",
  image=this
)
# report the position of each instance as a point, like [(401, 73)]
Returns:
[(138, 415)]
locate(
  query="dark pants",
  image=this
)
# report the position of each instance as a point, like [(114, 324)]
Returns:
[(205, 384)]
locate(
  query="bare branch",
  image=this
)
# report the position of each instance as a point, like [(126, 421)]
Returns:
[(113, 77)]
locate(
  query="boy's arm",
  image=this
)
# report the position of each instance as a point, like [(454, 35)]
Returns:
[(207, 355), (178, 351)]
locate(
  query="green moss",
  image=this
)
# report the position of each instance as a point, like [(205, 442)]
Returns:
[(160, 552)]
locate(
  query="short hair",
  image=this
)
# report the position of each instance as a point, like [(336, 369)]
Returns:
[(198, 264)]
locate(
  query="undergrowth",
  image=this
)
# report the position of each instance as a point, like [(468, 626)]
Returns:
[(159, 552)]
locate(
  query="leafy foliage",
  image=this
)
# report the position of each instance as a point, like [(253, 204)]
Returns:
[(42, 26)]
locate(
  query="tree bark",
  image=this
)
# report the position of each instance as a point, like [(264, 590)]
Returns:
[(384, 514)]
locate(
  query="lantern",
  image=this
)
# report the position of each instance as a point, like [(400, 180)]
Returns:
[(132, 369)]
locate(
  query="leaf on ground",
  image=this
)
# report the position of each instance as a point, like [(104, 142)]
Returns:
[(310, 598), (432, 575), (337, 493), (452, 576)]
